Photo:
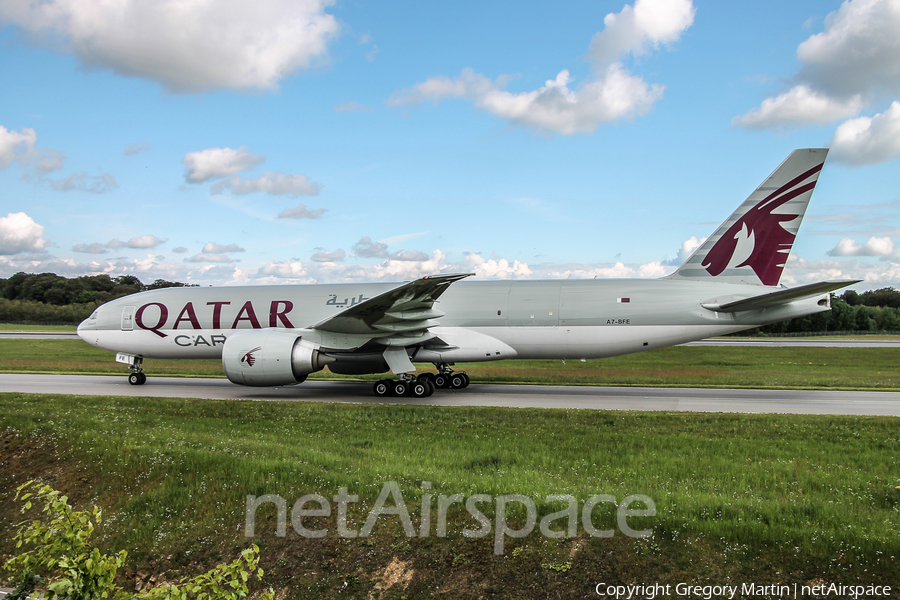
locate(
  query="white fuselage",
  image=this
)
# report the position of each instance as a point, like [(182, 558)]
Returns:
[(482, 320)]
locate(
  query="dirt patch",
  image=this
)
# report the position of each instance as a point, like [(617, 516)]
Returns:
[(397, 573)]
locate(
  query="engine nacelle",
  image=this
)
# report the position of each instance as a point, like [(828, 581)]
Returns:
[(268, 357)]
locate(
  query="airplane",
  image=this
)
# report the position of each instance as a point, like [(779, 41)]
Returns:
[(278, 335)]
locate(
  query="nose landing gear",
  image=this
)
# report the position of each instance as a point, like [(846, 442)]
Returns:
[(134, 363)]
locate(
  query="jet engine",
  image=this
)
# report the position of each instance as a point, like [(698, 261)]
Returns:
[(269, 357)]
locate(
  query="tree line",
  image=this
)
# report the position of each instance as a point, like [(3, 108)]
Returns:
[(51, 298), (872, 311)]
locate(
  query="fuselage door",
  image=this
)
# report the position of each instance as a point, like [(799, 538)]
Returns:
[(128, 318)]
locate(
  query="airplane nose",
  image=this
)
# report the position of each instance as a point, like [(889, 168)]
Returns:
[(81, 330), (85, 327)]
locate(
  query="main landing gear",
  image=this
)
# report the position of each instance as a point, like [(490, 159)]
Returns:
[(423, 385)]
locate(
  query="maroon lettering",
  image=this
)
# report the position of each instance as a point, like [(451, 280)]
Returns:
[(217, 313), (275, 315), (163, 317), (187, 314), (247, 310)]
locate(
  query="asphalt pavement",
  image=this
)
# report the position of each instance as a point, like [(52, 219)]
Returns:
[(512, 396)]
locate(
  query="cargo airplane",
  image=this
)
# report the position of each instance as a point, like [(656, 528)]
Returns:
[(278, 335)]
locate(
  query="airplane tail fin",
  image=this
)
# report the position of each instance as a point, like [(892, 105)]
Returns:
[(753, 244)]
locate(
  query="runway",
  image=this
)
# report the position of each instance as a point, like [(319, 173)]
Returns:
[(807, 342), (511, 396)]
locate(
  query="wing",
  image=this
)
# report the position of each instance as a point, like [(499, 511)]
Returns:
[(399, 317)]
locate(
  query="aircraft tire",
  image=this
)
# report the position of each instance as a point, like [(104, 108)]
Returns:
[(399, 388), (457, 381), (467, 380), (431, 386), (137, 379), (419, 389), (441, 380), (382, 388)]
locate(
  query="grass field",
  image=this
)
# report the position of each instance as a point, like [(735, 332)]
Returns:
[(810, 368), (48, 328), (740, 498)]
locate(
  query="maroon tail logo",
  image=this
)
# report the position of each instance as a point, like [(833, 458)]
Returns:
[(249, 358), (761, 227)]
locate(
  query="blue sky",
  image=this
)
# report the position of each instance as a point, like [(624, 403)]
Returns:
[(303, 141)]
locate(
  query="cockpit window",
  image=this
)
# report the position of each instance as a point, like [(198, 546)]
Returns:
[(94, 315)]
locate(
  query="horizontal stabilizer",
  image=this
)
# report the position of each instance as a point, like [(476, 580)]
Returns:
[(783, 296)]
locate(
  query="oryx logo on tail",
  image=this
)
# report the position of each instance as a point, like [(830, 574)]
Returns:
[(759, 239), (760, 233)]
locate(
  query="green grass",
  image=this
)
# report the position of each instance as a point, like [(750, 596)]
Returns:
[(762, 498), (48, 328), (808, 368)]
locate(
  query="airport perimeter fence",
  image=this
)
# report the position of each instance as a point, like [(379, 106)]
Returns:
[(812, 334), (47, 323)]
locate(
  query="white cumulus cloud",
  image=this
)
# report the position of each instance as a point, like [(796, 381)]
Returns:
[(859, 51), (638, 29), (216, 163), (286, 269), (496, 268), (875, 246), (367, 248), (868, 140), (19, 147), (799, 106), (849, 66), (609, 94), (186, 45), (688, 247), (323, 256), (214, 248), (19, 233)]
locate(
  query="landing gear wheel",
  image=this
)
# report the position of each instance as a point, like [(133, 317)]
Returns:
[(466, 377), (399, 388), (441, 380), (419, 389), (382, 388), (137, 379), (431, 387), (457, 381)]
